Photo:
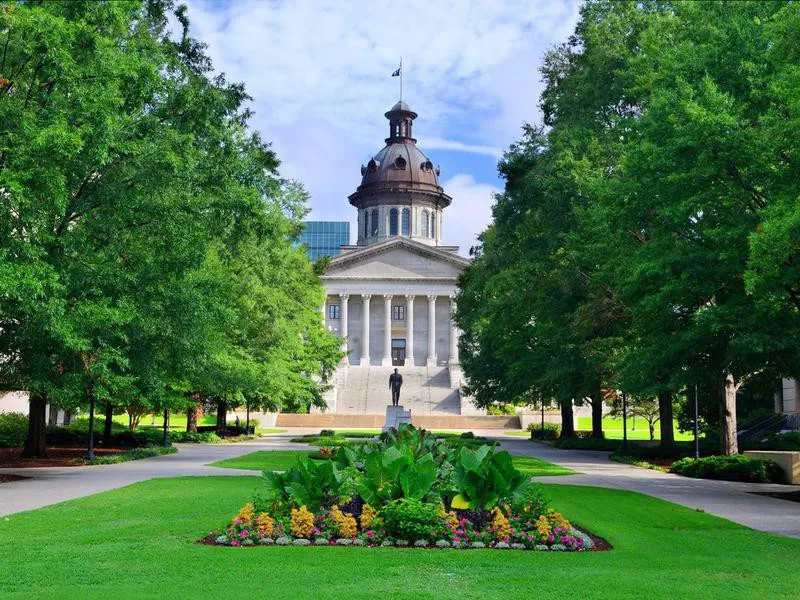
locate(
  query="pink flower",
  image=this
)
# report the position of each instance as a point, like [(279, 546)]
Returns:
[(238, 521), (234, 543)]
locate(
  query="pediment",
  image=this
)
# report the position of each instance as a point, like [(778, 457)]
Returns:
[(397, 259)]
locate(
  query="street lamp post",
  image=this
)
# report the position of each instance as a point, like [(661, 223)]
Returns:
[(624, 422), (696, 418)]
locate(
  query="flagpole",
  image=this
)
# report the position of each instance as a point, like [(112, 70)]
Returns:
[(401, 79)]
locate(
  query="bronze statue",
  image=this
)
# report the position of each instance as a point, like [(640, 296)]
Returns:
[(395, 382)]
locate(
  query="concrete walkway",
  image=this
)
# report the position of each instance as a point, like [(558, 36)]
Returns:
[(726, 499), (51, 485)]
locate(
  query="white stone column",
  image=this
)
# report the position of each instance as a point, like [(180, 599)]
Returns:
[(410, 328), (453, 334), (343, 328), (387, 331), (431, 361), (365, 330)]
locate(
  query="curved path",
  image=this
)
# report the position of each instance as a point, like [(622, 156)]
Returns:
[(727, 499), (730, 500)]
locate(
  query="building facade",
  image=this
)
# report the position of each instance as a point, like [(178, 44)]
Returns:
[(324, 238), (390, 296)]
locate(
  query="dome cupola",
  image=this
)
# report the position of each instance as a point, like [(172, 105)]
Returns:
[(400, 193)]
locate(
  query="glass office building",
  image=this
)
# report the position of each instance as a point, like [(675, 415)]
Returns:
[(323, 238)]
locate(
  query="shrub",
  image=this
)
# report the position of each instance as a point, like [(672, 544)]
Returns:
[(501, 409), (13, 429), (551, 431), (411, 519), (736, 467), (191, 437)]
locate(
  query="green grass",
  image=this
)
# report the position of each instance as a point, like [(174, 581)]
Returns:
[(519, 433), (280, 460), (270, 431), (271, 460), (612, 427), (135, 454), (140, 541)]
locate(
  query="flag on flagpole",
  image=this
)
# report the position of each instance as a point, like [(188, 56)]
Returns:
[(397, 72)]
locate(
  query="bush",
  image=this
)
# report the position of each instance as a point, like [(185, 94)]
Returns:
[(13, 429), (501, 409), (551, 431), (191, 437), (77, 434), (135, 454), (411, 519), (736, 467), (777, 441)]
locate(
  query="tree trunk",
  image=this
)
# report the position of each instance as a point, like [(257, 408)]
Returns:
[(107, 426), (247, 422), (666, 419), (652, 431), (727, 416), (597, 415), (90, 394), (191, 419), (36, 442), (567, 420), (222, 417)]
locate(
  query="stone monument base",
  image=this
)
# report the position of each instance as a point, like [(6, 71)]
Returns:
[(395, 416)]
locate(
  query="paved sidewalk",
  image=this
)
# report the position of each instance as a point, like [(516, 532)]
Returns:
[(727, 499), (51, 485)]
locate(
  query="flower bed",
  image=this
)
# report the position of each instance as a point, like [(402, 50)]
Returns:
[(406, 490)]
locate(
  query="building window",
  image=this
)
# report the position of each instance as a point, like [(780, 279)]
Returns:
[(393, 222), (406, 222), (366, 223), (425, 223), (374, 223), (399, 313), (333, 311), (433, 225)]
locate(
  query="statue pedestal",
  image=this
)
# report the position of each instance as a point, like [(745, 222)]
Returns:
[(395, 416)]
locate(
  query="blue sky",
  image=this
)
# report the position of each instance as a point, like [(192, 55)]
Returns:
[(319, 73)]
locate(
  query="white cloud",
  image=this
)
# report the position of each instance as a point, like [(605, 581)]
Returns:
[(470, 212), (319, 73), (436, 143)]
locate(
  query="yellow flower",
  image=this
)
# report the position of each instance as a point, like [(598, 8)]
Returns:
[(246, 514), (452, 520), (500, 524), (345, 523), (543, 527), (265, 525), (302, 522), (557, 519), (368, 515)]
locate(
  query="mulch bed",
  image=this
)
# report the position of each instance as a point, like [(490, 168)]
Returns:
[(7, 478), (57, 457)]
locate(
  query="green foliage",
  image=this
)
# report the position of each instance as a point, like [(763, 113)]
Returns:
[(411, 519), (551, 431), (735, 467), (498, 408), (484, 477), (13, 429), (193, 437), (137, 454), (310, 483)]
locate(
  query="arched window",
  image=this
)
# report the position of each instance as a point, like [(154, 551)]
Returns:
[(393, 222), (433, 225), (374, 222), (366, 223), (406, 222), (425, 221)]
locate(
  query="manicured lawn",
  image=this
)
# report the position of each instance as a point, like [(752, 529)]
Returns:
[(280, 460), (270, 431), (613, 429), (272, 460), (139, 541)]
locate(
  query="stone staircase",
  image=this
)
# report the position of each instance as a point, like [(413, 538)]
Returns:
[(425, 391)]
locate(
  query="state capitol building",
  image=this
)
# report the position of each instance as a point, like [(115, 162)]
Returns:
[(390, 296)]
